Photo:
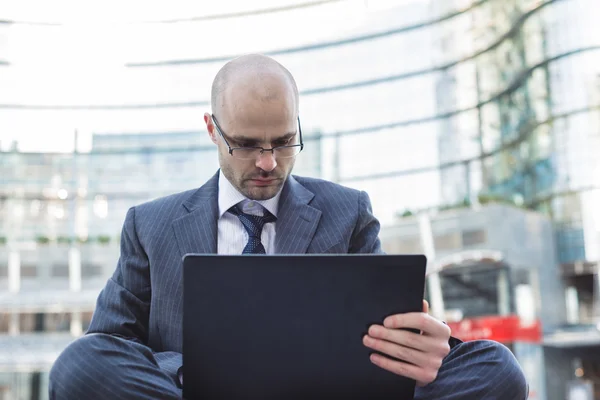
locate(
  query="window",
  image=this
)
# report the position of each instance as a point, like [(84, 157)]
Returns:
[(86, 319), (4, 322), (60, 270), (448, 241), (91, 270), (474, 290), (471, 238), (406, 246), (60, 322), (28, 271)]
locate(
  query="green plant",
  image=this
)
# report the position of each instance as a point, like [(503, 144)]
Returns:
[(82, 240), (64, 240), (486, 198), (103, 239), (465, 203), (2, 240), (514, 200), (407, 213), (42, 239)]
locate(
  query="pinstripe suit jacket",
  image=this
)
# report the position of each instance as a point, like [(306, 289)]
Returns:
[(143, 300)]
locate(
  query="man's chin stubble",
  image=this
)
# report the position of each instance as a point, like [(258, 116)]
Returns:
[(264, 193)]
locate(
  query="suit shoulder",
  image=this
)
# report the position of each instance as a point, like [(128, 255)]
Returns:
[(327, 192)]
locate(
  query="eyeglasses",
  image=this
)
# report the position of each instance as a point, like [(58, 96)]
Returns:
[(253, 152)]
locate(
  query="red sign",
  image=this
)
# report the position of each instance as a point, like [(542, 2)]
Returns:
[(503, 329)]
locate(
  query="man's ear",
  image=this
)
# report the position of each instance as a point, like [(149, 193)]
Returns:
[(210, 127)]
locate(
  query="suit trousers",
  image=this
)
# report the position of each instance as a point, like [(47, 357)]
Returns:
[(100, 366)]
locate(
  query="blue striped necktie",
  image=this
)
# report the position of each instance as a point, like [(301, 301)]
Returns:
[(254, 225)]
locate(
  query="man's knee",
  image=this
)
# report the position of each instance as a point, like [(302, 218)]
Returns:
[(498, 364), (76, 370), (100, 366)]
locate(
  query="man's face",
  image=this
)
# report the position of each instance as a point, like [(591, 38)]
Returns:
[(259, 124)]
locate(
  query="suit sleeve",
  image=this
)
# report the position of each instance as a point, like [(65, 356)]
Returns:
[(365, 238), (123, 306)]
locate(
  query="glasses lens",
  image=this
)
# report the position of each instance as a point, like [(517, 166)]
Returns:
[(252, 154), (246, 154), (287, 152)]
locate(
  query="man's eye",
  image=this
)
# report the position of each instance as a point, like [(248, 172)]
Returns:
[(283, 142)]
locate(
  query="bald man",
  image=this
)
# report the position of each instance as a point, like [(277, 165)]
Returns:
[(252, 205)]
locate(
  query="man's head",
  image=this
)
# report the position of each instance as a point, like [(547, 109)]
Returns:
[(254, 101)]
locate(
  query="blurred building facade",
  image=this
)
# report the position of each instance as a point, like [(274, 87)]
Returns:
[(469, 102), (534, 119), (492, 287), (533, 143)]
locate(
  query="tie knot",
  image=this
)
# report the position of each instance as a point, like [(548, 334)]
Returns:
[(253, 223)]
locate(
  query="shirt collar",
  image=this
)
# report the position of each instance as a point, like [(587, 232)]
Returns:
[(229, 196)]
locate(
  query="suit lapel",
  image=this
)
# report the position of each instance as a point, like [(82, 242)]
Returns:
[(297, 221), (196, 232)]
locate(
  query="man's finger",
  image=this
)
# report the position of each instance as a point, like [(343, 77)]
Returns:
[(398, 351), (408, 339), (420, 375), (420, 321), (425, 306)]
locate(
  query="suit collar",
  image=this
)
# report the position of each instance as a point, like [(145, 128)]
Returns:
[(207, 193), (196, 231), (297, 220)]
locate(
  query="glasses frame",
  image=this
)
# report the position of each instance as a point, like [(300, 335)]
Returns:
[(262, 149)]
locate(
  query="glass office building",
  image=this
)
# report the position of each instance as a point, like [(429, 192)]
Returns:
[(424, 104), (527, 130)]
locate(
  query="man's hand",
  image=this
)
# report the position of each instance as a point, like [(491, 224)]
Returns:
[(422, 354)]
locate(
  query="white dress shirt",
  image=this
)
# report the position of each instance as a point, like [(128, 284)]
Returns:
[(232, 236)]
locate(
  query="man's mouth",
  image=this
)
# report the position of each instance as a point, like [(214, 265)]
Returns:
[(263, 181)]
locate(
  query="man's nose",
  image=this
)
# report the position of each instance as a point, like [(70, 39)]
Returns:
[(266, 161)]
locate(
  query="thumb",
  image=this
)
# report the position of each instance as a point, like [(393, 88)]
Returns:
[(425, 306)]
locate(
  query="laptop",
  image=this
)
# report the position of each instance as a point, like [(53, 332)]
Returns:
[(291, 326)]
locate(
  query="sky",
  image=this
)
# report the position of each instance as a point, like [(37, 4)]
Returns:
[(78, 57)]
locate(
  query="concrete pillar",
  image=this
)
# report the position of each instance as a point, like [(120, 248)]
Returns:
[(572, 300), (75, 287), (525, 304), (14, 272), (503, 293), (14, 324), (14, 287), (74, 269), (76, 324)]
